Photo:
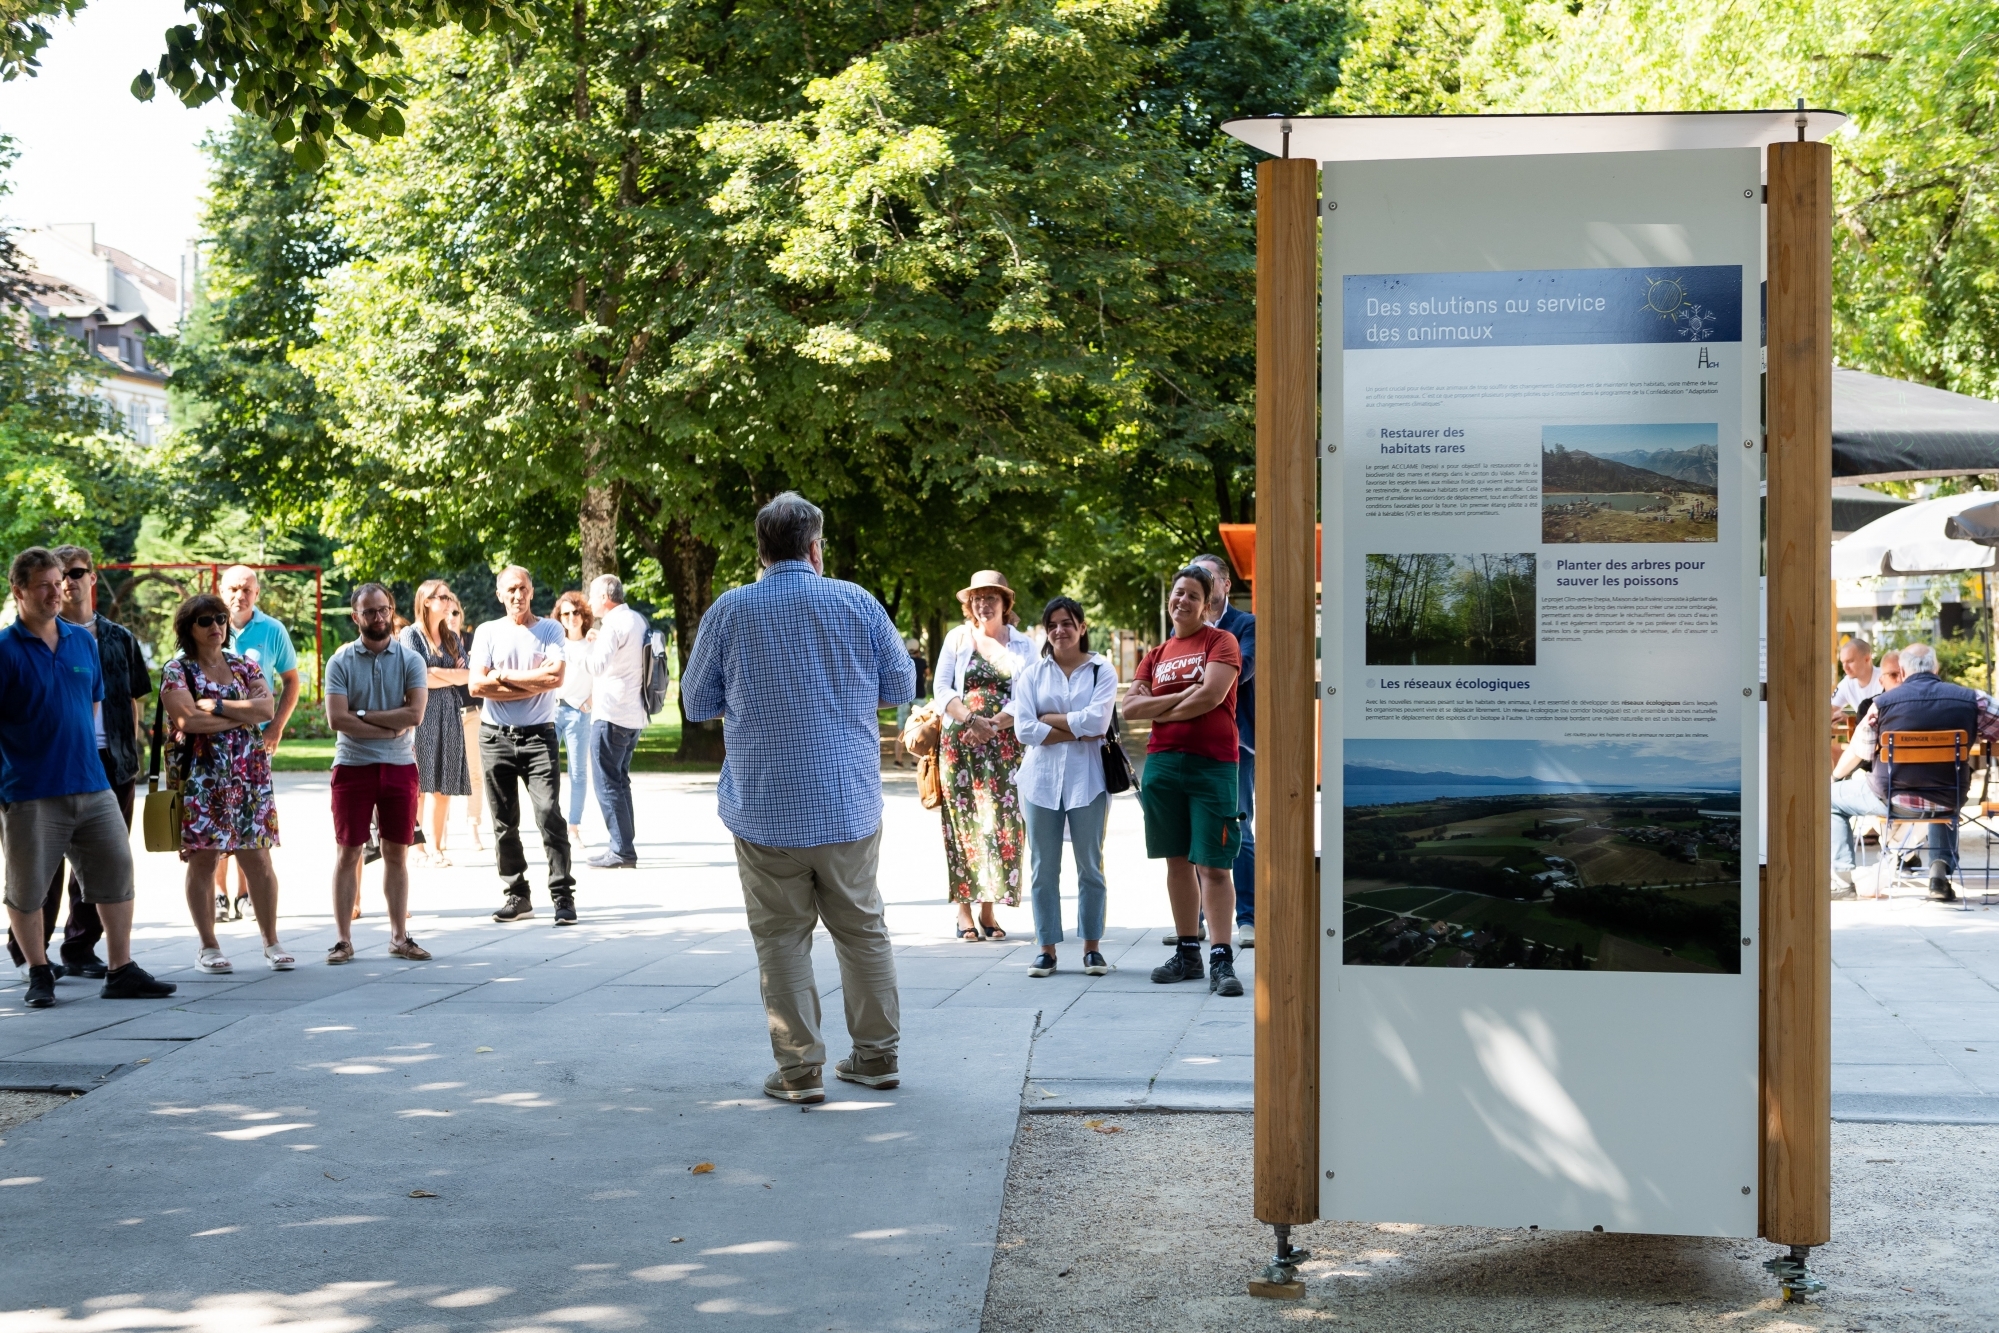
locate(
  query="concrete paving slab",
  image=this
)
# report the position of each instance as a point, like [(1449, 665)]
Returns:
[(563, 1183)]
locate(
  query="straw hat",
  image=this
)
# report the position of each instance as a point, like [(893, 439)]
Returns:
[(987, 579)]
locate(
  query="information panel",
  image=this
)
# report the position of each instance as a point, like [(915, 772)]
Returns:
[(1542, 445)]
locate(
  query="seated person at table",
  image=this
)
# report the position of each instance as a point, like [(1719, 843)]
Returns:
[(1923, 702), (1887, 675), (1862, 680)]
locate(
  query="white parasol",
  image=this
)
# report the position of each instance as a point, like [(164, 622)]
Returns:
[(1913, 541)]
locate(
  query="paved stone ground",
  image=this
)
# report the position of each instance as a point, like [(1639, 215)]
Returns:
[(252, 1144)]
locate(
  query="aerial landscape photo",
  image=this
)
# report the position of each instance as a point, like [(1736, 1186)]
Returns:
[(1557, 857), (1637, 483)]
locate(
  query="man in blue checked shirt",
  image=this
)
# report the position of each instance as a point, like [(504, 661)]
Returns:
[(796, 666)]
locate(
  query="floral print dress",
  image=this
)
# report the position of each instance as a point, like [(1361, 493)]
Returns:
[(983, 828), (227, 801)]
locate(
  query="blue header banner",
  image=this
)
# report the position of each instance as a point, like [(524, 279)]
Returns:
[(1544, 307)]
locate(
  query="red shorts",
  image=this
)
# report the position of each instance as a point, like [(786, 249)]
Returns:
[(384, 795)]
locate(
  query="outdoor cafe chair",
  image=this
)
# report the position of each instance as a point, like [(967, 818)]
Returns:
[(1986, 820), (1906, 813)]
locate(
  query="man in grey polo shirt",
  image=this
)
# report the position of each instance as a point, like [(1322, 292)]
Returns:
[(375, 696)]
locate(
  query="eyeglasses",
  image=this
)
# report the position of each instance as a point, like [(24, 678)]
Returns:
[(374, 612), (570, 611), (80, 572), (210, 621)]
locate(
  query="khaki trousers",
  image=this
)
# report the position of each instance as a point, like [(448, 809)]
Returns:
[(789, 890)]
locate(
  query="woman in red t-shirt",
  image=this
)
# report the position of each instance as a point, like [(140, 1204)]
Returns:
[(1186, 687)]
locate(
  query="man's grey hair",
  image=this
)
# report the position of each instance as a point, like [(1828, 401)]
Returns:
[(1857, 642), (1918, 658), (609, 587), (521, 570), (787, 527), (1217, 564), (230, 574)]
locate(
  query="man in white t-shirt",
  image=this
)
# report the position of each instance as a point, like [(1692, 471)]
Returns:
[(618, 659), (516, 666), (1861, 681)]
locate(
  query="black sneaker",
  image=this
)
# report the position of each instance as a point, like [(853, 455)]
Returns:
[(565, 909), (1184, 965), (221, 907), (132, 982), (1940, 889), (1222, 979), (1094, 964), (41, 986), (518, 907), (83, 965), (1043, 965)]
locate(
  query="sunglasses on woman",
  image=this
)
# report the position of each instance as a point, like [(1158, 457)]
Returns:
[(210, 621)]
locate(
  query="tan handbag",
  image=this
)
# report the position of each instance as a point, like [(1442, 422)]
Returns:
[(929, 783), (923, 733), (163, 803)]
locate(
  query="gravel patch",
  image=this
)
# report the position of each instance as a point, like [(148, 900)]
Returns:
[(1149, 1228), (18, 1108)]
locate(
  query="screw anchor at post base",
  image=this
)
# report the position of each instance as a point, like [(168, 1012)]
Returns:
[(1793, 1275), (1279, 1278)]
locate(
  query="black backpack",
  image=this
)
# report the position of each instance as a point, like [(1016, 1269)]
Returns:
[(652, 695)]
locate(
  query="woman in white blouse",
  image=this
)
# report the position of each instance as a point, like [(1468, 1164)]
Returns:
[(983, 834), (1061, 710)]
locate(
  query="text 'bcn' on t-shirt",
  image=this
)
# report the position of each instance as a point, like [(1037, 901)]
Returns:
[(1179, 665)]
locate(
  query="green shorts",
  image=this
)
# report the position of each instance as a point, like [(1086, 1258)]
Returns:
[(1191, 809)]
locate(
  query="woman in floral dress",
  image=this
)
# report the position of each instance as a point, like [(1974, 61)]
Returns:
[(215, 701), (984, 832)]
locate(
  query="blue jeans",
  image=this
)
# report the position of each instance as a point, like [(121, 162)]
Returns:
[(1087, 825), (1244, 870), (611, 748), (574, 726), (1856, 796)]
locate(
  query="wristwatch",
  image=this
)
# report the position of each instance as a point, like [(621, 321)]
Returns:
[(361, 712)]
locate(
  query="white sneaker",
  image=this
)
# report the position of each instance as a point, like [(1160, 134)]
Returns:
[(279, 958), (1245, 937), (213, 962)]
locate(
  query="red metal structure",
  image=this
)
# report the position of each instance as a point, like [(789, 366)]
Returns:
[(211, 573)]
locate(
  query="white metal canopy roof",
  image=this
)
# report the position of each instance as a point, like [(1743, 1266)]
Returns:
[(1383, 138)]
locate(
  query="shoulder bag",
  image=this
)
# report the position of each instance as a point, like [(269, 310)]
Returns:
[(163, 796), (1117, 764), (922, 736)]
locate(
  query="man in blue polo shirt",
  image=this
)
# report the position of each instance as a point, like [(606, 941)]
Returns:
[(55, 800)]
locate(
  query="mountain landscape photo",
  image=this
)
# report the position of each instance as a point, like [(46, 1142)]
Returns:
[(1595, 487)]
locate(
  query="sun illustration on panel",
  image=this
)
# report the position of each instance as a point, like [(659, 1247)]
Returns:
[(1667, 298)]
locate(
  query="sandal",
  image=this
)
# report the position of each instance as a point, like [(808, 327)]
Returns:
[(341, 952), (213, 962), (993, 933), (970, 934), (438, 858), (279, 957)]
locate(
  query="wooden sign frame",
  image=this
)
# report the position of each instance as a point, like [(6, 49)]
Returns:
[(1795, 1164)]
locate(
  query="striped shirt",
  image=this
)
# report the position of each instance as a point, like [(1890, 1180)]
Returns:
[(795, 665)]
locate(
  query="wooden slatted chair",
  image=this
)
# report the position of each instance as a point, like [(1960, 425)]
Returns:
[(1905, 816)]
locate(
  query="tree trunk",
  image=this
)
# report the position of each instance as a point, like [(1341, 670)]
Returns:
[(597, 521), (688, 565)]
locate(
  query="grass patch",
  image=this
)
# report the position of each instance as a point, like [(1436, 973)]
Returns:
[(656, 752)]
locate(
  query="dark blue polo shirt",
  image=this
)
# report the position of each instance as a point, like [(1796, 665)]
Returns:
[(48, 730)]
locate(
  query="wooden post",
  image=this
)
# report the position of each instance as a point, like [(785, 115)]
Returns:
[(1287, 491), (1796, 942)]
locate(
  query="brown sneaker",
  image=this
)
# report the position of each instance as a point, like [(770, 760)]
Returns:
[(879, 1072), (411, 950), (341, 952), (803, 1087)]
